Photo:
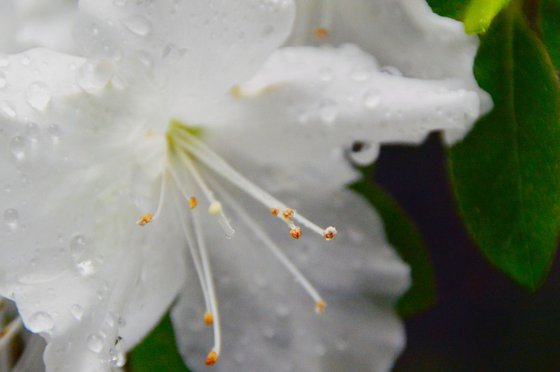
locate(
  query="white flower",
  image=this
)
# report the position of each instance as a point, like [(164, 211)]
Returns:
[(95, 147)]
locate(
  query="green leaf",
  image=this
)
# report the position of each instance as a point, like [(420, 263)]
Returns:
[(405, 238), (480, 13), (506, 172), (158, 352), (449, 8), (550, 26)]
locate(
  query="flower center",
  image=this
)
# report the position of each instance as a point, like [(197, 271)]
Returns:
[(189, 160)]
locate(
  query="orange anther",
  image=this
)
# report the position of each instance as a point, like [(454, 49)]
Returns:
[(329, 233), (211, 359), (321, 33), (320, 307), (145, 219), (208, 318), (296, 232), (193, 202), (288, 213), (274, 211)]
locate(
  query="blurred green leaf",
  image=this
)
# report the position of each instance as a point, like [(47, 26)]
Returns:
[(506, 172), (405, 238), (550, 26), (449, 8), (480, 13), (158, 351)]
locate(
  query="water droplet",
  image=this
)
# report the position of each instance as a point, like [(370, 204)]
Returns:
[(325, 74), (11, 218), (19, 147), (390, 70), (78, 245), (360, 75), (95, 342), (38, 95), (40, 322), (86, 267), (77, 311), (138, 25), (328, 111), (8, 109), (25, 60), (4, 61), (95, 75), (118, 358), (372, 99), (363, 153), (54, 132), (3, 80), (32, 131)]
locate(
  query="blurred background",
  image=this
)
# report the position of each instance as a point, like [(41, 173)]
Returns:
[(481, 320)]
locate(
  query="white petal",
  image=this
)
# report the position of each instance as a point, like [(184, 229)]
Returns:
[(405, 34), (37, 23), (307, 106), (269, 323), (197, 47), (75, 173)]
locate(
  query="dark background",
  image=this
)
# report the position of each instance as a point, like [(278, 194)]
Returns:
[(482, 321)]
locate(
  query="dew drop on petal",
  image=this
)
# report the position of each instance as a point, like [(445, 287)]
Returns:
[(11, 218), (40, 322), (77, 311), (32, 131), (54, 132), (328, 111), (95, 342), (86, 267), (138, 25), (8, 110), (363, 153), (3, 80), (390, 70), (372, 98), (95, 75), (38, 95), (19, 147), (78, 245)]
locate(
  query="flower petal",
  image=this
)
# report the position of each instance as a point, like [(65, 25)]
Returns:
[(197, 47), (405, 34), (269, 323), (74, 182), (36, 23), (320, 101)]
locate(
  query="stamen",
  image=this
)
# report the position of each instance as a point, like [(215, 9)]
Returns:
[(193, 202), (211, 289), (208, 318), (148, 217), (191, 244), (211, 359), (276, 251), (145, 219), (215, 206), (321, 33), (274, 211), (329, 233), (320, 307), (218, 165)]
